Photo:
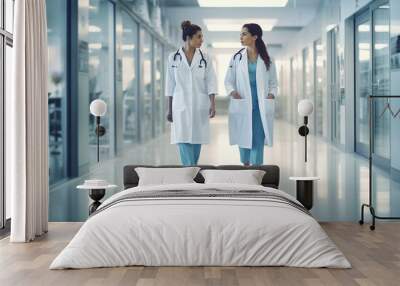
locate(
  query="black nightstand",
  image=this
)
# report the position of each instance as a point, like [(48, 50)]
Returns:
[(304, 190), (96, 193)]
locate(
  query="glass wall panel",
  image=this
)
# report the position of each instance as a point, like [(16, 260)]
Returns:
[(363, 79), (381, 79), (308, 74), (146, 100), (293, 112), (57, 84), (373, 78), (284, 93), (336, 100), (319, 80), (294, 91), (101, 74), (128, 45), (308, 80), (298, 85), (159, 110)]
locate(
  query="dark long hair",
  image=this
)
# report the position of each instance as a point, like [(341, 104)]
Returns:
[(255, 30), (189, 29)]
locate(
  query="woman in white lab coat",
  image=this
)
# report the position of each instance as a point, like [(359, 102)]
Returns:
[(251, 84), (191, 87)]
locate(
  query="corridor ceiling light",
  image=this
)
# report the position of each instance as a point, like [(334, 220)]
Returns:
[(363, 46), (382, 28), (119, 28), (242, 3), (94, 61), (94, 29), (380, 46), (128, 47), (226, 45), (364, 55), (226, 25), (95, 46), (363, 28)]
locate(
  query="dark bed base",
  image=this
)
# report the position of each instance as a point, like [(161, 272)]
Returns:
[(270, 179)]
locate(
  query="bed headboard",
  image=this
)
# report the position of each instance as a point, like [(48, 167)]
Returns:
[(270, 179)]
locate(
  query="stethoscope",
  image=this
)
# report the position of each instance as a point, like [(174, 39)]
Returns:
[(239, 53), (202, 61)]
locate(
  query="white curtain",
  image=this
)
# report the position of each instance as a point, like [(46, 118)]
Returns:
[(26, 124)]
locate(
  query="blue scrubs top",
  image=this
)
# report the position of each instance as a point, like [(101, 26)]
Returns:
[(258, 130), (253, 84)]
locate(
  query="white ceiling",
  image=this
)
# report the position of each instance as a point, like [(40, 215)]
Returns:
[(290, 19)]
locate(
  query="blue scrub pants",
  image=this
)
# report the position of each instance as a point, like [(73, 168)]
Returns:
[(255, 155), (189, 153)]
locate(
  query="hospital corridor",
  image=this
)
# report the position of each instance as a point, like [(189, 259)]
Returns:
[(199, 142), (342, 188)]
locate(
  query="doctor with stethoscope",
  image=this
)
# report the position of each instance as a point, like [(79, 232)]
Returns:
[(191, 87), (251, 84)]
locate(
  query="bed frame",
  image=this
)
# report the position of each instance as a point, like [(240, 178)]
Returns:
[(270, 179)]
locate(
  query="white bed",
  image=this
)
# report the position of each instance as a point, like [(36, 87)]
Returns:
[(202, 231)]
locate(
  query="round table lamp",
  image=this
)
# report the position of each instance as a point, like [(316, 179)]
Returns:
[(305, 107)]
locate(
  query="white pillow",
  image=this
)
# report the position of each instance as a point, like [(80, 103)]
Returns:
[(248, 177), (165, 176)]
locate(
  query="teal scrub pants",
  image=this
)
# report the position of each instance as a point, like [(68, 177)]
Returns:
[(189, 153), (255, 155)]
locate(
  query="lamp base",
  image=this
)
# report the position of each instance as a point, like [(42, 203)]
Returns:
[(304, 193), (100, 130), (96, 195), (303, 130)]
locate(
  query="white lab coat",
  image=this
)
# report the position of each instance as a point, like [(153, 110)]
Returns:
[(240, 110), (190, 87)]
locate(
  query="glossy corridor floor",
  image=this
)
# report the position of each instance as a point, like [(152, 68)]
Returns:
[(343, 184)]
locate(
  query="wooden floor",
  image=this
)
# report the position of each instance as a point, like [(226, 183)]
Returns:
[(375, 257)]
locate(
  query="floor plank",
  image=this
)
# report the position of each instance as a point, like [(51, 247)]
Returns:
[(375, 257)]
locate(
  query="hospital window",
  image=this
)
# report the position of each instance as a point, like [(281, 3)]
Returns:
[(127, 102), (319, 86), (146, 101), (6, 65), (159, 99), (308, 80), (57, 89), (372, 75), (101, 74)]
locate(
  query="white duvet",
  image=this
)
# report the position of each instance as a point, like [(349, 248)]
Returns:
[(200, 231)]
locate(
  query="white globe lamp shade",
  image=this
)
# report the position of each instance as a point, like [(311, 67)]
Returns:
[(98, 107), (305, 107)]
